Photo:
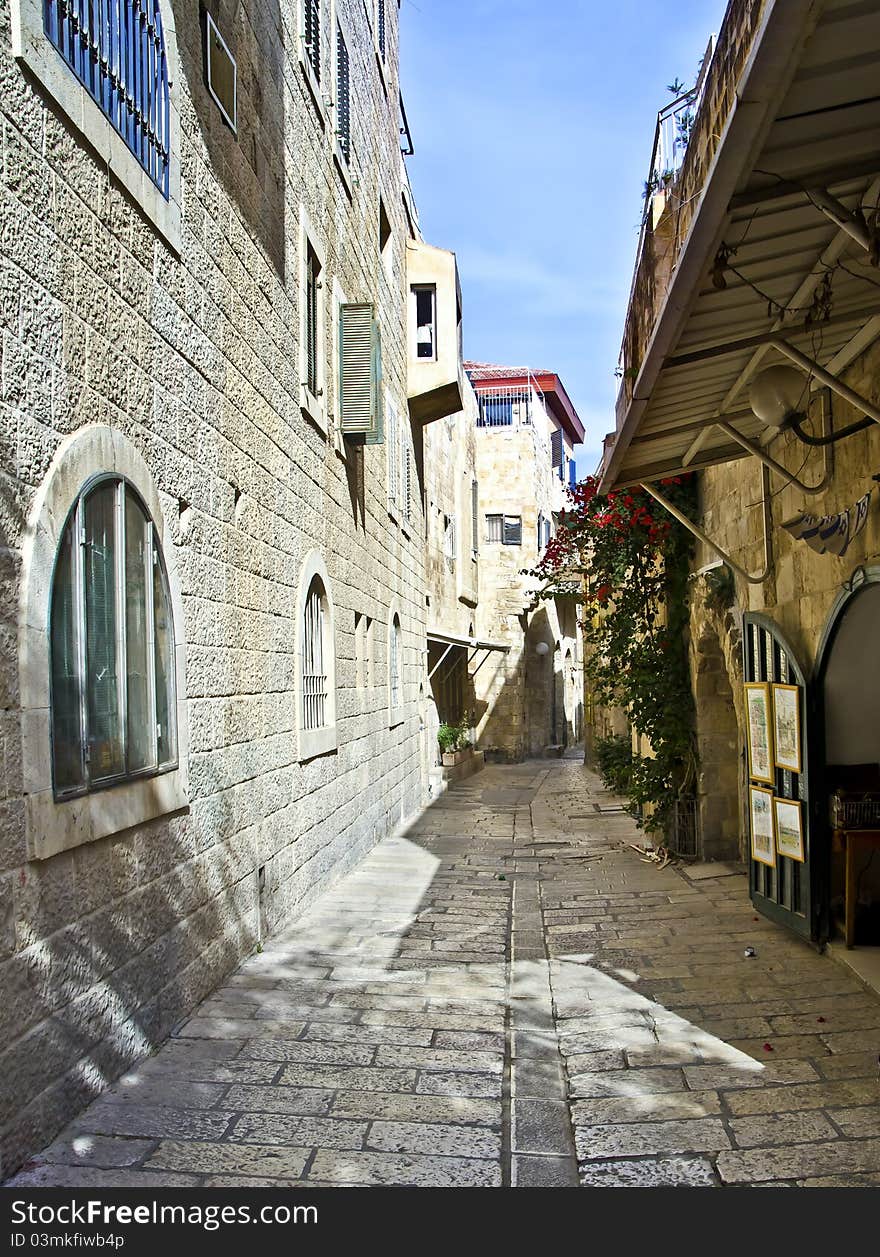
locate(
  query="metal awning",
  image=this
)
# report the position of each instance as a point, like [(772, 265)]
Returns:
[(469, 643), (783, 205)]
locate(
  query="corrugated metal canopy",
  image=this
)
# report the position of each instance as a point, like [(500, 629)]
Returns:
[(761, 199)]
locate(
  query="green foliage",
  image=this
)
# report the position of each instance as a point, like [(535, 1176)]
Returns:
[(635, 559), (614, 758), (454, 737)]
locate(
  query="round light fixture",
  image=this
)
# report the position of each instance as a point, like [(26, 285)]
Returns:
[(778, 394), (542, 649)]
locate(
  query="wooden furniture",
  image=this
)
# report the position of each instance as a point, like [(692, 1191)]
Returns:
[(855, 843)]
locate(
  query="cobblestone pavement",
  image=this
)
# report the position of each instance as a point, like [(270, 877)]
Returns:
[(507, 996)]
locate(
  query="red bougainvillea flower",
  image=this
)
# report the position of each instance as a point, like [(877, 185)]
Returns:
[(768, 1047), (602, 593)]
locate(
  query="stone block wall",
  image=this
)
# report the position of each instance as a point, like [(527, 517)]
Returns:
[(194, 356)]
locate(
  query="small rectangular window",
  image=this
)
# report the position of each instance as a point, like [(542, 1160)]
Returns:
[(475, 517), (343, 96), (313, 284), (385, 242), (512, 530), (426, 321), (220, 71), (495, 528), (449, 539)]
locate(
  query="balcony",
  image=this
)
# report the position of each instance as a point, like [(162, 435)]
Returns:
[(686, 138), (435, 377)]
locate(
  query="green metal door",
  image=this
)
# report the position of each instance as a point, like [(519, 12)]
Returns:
[(785, 891)]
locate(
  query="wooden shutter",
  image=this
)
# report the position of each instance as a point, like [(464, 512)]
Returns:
[(360, 373), (557, 453)]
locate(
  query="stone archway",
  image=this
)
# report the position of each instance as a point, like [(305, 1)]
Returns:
[(718, 750)]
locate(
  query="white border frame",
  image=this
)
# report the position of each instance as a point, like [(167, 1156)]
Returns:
[(30, 46), (51, 825), (314, 408), (396, 715), (211, 26), (315, 742)]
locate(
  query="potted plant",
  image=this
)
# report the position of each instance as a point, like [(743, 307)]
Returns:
[(454, 741)]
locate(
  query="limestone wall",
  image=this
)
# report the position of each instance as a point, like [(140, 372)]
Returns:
[(195, 358)]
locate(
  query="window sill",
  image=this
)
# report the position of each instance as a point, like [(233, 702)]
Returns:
[(55, 79), (383, 77), (313, 409), (53, 827), (315, 742), (314, 87), (343, 169)]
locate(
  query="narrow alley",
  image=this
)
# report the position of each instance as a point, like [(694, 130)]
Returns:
[(506, 995)]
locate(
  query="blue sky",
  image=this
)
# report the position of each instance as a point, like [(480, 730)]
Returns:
[(533, 139)]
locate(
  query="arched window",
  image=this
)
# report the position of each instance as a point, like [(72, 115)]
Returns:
[(395, 671), (112, 645), (314, 670), (116, 48), (316, 661)]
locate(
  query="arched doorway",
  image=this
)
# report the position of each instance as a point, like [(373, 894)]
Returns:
[(848, 695)]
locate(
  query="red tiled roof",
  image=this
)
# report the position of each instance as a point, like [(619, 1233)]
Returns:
[(490, 371)]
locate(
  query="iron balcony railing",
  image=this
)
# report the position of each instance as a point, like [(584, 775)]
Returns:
[(508, 406)]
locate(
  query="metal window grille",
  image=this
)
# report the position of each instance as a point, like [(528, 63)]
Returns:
[(495, 528), (506, 407), (394, 664), (312, 36), (116, 48), (314, 676), (111, 645), (380, 23), (407, 482), (683, 836), (343, 96), (313, 270), (475, 516)]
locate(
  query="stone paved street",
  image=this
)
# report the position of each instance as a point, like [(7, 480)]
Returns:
[(507, 995)]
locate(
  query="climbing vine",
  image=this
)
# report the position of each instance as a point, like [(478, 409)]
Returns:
[(626, 561)]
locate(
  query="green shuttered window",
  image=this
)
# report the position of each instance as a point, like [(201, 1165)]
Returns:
[(111, 645), (360, 373)]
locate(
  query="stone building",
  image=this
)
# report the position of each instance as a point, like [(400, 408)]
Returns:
[(751, 358), (529, 696), (212, 628)]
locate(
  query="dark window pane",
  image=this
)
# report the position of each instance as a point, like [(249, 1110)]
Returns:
[(139, 716), (66, 725), (425, 341), (164, 655), (102, 681)]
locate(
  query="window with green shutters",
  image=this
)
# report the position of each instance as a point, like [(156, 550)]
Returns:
[(360, 374), (111, 645)]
